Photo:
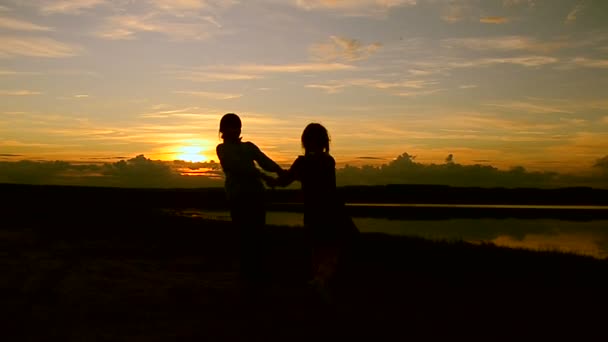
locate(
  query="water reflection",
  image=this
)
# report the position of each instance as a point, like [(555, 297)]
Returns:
[(586, 237), (581, 243)]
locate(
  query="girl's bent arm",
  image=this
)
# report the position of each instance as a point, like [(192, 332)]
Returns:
[(219, 150), (228, 162)]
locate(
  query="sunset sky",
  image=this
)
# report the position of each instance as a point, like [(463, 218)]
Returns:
[(500, 82)]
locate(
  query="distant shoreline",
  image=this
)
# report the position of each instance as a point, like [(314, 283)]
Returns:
[(390, 201), (390, 194)]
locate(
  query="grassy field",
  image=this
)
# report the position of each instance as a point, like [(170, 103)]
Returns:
[(145, 275)]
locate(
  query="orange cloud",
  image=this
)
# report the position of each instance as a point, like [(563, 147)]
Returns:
[(208, 94), (20, 25), (494, 20), (354, 7), (506, 43), (69, 6), (591, 63), (340, 48), (572, 15), (35, 47), (293, 68), (19, 92)]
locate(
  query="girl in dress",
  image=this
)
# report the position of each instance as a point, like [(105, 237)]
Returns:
[(325, 219), (245, 190)]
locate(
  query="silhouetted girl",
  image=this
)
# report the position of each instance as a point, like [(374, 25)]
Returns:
[(324, 216), (245, 191)]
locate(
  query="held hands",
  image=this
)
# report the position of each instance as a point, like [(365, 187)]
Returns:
[(282, 173), (271, 182)]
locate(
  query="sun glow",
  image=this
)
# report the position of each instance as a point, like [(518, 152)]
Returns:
[(191, 153)]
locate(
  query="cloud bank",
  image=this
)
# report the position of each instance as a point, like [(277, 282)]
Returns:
[(143, 172), (405, 170), (138, 172)]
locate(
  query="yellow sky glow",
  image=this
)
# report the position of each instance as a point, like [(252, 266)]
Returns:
[(491, 82)]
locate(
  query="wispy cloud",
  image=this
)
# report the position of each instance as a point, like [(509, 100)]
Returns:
[(581, 144), (74, 72), (529, 107), (195, 75), (511, 3), (181, 20), (19, 92), (354, 7), (575, 12), (445, 64), (292, 68), (494, 20), (416, 93), (372, 83), (36, 47), (479, 122), (243, 72), (328, 88), (17, 143), (68, 6), (21, 25), (172, 5), (505, 43), (209, 95), (417, 85), (127, 27), (454, 12), (4, 72), (181, 6), (574, 121), (340, 48), (418, 72), (525, 61), (591, 63), (188, 112)]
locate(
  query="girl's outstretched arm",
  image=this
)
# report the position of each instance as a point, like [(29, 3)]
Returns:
[(287, 177), (263, 161)]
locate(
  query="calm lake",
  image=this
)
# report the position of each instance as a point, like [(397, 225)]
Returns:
[(583, 237)]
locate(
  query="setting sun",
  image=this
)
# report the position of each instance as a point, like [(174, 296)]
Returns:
[(191, 154)]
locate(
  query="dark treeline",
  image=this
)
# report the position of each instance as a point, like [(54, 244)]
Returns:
[(393, 193), (52, 200)]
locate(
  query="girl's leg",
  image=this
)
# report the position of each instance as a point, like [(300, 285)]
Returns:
[(238, 214), (253, 219), (326, 260)]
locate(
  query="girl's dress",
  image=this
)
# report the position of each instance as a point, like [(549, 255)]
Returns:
[(330, 230), (325, 217)]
